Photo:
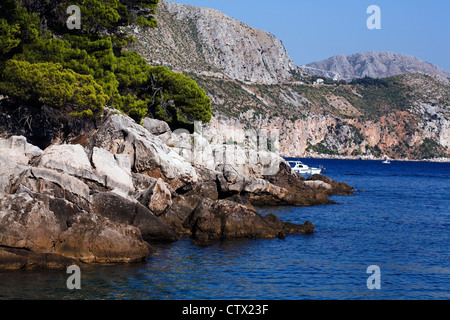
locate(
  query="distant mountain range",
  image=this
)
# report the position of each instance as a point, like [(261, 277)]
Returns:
[(374, 64)]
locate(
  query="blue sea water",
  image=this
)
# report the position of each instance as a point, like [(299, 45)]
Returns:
[(398, 219)]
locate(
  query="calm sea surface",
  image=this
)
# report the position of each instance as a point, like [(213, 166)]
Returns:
[(399, 220)]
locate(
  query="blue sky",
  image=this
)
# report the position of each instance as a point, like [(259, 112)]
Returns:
[(313, 30)]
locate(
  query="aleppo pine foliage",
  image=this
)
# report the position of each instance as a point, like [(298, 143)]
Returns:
[(42, 62)]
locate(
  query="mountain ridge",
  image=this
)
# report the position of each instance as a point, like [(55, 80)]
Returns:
[(206, 41), (373, 64)]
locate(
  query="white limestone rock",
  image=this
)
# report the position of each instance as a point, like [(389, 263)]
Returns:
[(113, 175)]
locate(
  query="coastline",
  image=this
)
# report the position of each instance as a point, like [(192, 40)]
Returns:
[(364, 158), (136, 186)]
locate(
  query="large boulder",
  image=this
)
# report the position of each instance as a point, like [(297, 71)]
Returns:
[(48, 227), (56, 184), (262, 192), (19, 150), (127, 212), (96, 239), (158, 198), (69, 158), (193, 148), (15, 156), (22, 259), (223, 219), (178, 215), (208, 183), (115, 171), (319, 185), (333, 187), (97, 167), (27, 223), (299, 193), (155, 127), (148, 155)]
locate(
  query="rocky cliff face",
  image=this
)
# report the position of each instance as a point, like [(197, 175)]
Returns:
[(372, 64), (206, 41), (407, 116)]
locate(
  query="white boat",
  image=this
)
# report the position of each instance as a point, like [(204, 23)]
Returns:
[(387, 162), (302, 169)]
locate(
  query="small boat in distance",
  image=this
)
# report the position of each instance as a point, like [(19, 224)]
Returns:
[(387, 161), (302, 169)]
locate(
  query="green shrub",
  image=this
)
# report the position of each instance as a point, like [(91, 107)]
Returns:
[(109, 84), (370, 82), (80, 71), (320, 148), (28, 23), (131, 70), (98, 47), (132, 106), (429, 149), (8, 36), (80, 54), (52, 85), (144, 22), (97, 15), (189, 101), (59, 51), (17, 26)]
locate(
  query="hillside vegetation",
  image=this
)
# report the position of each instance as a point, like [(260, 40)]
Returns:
[(404, 116), (79, 71)]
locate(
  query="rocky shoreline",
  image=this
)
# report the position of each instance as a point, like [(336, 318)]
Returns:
[(111, 192)]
